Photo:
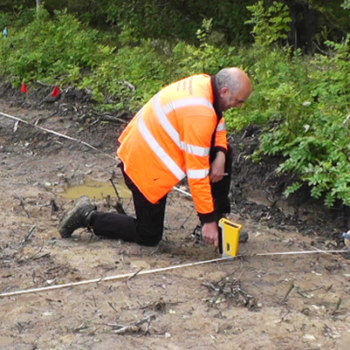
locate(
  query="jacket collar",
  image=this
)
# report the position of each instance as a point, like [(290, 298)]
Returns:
[(216, 95)]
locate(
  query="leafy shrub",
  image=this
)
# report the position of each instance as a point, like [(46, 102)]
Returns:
[(48, 50), (301, 101), (271, 24)]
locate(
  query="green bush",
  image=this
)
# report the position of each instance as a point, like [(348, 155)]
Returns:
[(49, 49), (300, 101), (307, 100)]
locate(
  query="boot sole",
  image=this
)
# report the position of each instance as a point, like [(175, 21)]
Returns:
[(68, 214), (243, 237)]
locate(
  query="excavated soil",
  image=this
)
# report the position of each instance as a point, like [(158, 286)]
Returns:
[(296, 301)]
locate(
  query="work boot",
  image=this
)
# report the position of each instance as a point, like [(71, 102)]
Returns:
[(243, 236), (79, 216), (197, 234)]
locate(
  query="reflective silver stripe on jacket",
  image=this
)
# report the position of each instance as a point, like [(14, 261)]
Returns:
[(161, 113), (157, 149), (221, 127), (197, 174)]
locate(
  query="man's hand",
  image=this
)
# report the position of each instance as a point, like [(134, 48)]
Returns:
[(217, 167), (210, 233)]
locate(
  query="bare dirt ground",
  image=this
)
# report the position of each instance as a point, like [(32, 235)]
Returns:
[(251, 302)]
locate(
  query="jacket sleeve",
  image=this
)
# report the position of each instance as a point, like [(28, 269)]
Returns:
[(220, 137), (197, 134)]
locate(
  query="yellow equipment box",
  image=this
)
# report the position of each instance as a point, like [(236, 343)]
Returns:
[(228, 237)]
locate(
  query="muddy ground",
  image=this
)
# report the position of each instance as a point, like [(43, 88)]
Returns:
[(252, 302)]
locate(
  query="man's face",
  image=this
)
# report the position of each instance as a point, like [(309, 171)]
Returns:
[(234, 100)]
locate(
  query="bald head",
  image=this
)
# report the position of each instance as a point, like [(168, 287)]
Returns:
[(234, 87)]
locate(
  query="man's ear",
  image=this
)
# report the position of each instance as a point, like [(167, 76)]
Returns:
[(223, 91)]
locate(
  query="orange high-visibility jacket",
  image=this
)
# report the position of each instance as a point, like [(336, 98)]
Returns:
[(170, 138)]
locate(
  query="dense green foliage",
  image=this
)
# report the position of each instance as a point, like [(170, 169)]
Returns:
[(307, 99), (161, 19), (302, 101), (179, 19)]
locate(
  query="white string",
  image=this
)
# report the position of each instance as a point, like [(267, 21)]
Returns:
[(146, 272)]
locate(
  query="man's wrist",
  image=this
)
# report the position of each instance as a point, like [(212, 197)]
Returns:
[(220, 154), (207, 218), (219, 149)]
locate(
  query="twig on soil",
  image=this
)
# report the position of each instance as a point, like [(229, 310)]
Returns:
[(239, 156), (119, 207), (34, 276), (134, 327), (290, 288), (93, 123), (56, 133), (93, 297), (109, 118), (268, 175), (135, 274), (190, 214), (80, 328), (47, 117), (230, 137), (231, 274), (33, 257), (114, 309), (210, 286), (108, 200), (155, 250), (88, 126), (337, 306), (54, 206), (283, 317), (37, 256), (26, 238), (115, 189), (22, 204), (159, 305)]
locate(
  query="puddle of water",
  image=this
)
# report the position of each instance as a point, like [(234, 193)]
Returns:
[(96, 189)]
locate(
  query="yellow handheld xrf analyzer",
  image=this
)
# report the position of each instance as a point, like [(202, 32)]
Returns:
[(228, 237)]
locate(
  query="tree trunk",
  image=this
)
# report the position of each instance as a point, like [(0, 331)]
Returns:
[(303, 27), (38, 4)]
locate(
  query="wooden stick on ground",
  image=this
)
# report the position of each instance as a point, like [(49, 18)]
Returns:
[(134, 326), (119, 206), (25, 239), (22, 204), (115, 189), (290, 288), (54, 133), (135, 274)]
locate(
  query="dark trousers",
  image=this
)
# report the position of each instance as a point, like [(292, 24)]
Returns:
[(147, 228)]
